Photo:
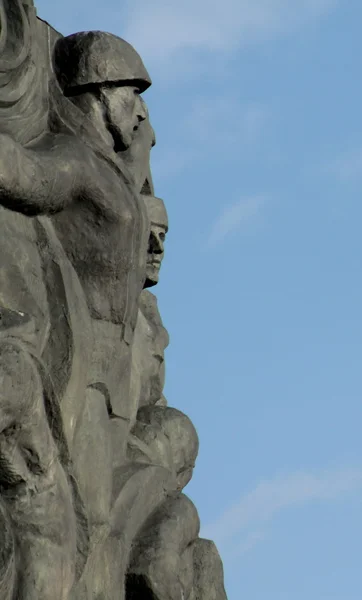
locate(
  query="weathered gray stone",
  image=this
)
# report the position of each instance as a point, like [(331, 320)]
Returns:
[(92, 460), (208, 572)]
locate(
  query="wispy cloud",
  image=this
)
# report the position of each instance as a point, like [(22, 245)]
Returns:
[(347, 166), (248, 543), (234, 217), (168, 164), (225, 120), (258, 507), (224, 124), (161, 28)]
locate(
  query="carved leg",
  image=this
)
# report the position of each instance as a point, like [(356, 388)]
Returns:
[(155, 568), (33, 483), (7, 556), (208, 572)]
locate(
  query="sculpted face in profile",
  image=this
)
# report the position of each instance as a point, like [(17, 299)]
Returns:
[(137, 157), (104, 77), (159, 228)]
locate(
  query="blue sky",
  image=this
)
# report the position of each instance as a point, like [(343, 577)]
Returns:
[(257, 107)]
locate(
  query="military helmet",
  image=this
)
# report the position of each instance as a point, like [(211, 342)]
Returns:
[(94, 58)]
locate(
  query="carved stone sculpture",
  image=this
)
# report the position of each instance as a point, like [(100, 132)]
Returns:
[(151, 338), (92, 460), (168, 559)]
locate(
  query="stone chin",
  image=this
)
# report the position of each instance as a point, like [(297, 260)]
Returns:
[(152, 275)]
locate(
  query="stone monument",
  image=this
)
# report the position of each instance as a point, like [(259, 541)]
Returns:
[(93, 461)]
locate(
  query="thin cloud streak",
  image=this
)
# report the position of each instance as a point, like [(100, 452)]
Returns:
[(249, 543), (224, 121), (269, 498), (170, 164), (162, 28), (234, 217), (207, 124), (347, 166)]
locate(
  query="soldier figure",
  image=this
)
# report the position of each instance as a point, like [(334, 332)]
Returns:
[(168, 560), (80, 183)]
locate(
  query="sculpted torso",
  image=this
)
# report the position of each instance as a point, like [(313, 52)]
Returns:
[(105, 236), (148, 363)]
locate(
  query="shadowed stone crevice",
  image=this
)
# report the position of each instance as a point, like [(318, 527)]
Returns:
[(138, 588)]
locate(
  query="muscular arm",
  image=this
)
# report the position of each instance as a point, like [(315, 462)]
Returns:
[(43, 179)]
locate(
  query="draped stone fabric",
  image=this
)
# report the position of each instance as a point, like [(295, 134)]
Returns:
[(93, 460)]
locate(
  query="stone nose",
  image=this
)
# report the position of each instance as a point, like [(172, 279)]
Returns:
[(141, 111), (156, 244)]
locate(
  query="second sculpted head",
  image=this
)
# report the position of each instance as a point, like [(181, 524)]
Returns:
[(104, 76), (158, 229)]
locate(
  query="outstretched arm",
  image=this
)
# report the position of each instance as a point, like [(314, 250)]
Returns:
[(41, 180)]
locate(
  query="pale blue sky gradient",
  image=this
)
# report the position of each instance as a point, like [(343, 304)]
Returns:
[(257, 107)]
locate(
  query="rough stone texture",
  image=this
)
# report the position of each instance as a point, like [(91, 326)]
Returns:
[(93, 462)]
